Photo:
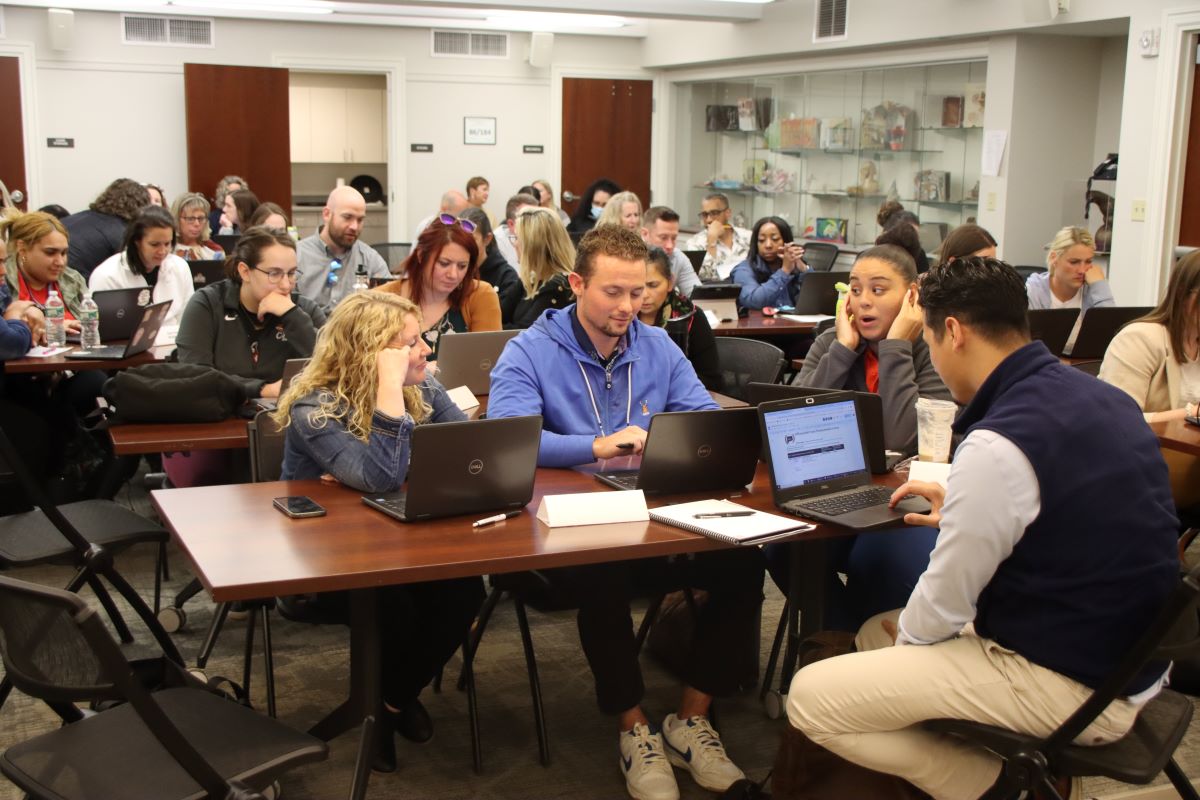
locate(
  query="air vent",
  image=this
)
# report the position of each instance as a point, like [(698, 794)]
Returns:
[(176, 31), (469, 44), (830, 22)]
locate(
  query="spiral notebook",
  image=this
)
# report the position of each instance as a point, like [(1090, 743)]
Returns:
[(754, 527)]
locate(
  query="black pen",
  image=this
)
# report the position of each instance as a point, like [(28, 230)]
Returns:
[(496, 518), (720, 514)]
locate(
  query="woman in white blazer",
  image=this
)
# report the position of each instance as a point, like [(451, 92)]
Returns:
[(147, 259)]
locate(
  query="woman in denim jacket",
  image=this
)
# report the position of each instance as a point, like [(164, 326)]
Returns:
[(349, 417)]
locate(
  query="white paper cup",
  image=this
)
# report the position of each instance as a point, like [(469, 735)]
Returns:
[(934, 418)]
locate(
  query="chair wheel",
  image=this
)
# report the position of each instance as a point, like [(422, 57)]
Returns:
[(172, 619), (773, 704), (273, 792), (198, 674)]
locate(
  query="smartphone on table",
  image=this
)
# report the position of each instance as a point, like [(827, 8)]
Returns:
[(299, 506)]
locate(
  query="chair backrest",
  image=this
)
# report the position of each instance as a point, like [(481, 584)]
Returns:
[(394, 254), (820, 256), (1025, 272), (266, 447), (1090, 367), (743, 361), (36, 495)]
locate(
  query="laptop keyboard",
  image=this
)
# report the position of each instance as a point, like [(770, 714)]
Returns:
[(391, 505), (626, 480), (845, 503)]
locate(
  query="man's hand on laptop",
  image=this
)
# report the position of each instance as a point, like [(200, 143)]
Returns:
[(619, 443), (933, 492)]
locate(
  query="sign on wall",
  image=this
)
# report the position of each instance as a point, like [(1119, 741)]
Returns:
[(479, 130)]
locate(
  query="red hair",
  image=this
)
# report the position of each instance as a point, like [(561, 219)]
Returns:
[(429, 246)]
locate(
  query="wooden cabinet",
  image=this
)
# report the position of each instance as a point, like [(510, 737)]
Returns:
[(333, 126)]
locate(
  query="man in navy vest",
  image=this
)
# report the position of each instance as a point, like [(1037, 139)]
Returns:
[(1056, 548)]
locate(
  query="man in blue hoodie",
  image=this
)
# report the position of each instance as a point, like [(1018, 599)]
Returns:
[(596, 375), (1056, 549)]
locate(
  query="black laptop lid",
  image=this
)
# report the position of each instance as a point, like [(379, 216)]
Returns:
[(120, 310), (870, 414), (699, 451), (468, 467), (716, 291), (696, 257), (814, 445), (466, 359), (1052, 326), (206, 271), (817, 295), (1100, 325)]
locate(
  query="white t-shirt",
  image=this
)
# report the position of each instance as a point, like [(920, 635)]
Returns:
[(174, 284), (1189, 390), (1074, 302)]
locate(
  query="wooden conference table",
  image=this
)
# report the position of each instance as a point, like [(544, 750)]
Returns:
[(1177, 435), (242, 548), (61, 363), (756, 324)]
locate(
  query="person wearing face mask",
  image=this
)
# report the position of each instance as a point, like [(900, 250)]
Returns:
[(774, 267), (146, 260), (591, 206), (1072, 279), (441, 278), (663, 307)]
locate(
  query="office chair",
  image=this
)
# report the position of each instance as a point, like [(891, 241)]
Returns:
[(1138, 757), (84, 534), (394, 254), (744, 361), (1025, 272), (820, 256), (182, 741)]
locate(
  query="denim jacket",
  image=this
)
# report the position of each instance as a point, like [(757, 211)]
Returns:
[(378, 465)]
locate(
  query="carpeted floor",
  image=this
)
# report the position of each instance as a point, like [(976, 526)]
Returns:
[(311, 667)]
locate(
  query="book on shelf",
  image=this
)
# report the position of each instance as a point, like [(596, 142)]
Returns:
[(747, 527), (800, 134), (932, 186), (837, 133)]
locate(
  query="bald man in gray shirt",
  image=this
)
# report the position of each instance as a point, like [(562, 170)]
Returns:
[(329, 259)]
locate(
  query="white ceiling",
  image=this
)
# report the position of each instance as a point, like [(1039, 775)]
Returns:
[(604, 17)]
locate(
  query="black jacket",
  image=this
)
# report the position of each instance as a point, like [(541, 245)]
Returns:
[(555, 293), (93, 238), (688, 327), (217, 332), (499, 273)]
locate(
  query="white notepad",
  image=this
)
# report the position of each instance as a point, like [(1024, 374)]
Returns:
[(754, 528)]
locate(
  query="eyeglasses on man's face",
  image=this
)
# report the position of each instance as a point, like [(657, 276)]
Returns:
[(707, 215), (277, 275)]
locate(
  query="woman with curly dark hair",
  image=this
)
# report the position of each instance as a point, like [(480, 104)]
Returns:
[(99, 232)]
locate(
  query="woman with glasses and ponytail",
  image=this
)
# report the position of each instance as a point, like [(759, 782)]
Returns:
[(442, 279)]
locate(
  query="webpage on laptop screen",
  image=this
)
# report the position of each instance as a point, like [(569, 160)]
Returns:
[(814, 444)]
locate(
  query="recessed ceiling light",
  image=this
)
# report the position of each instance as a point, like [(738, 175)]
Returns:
[(278, 6)]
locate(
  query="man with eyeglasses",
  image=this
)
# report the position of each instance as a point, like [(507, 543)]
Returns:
[(725, 246), (330, 258)]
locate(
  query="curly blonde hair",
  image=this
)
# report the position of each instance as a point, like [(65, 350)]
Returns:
[(343, 366), (546, 249)]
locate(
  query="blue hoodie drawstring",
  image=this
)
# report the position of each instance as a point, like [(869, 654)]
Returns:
[(592, 396)]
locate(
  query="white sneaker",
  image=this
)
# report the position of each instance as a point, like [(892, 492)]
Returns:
[(648, 775), (692, 744)]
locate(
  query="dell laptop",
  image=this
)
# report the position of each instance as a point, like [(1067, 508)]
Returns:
[(1052, 326), (818, 464), (291, 368), (870, 411), (1100, 325), (120, 310), (140, 340), (466, 467), (466, 359), (817, 294), (694, 451), (206, 271)]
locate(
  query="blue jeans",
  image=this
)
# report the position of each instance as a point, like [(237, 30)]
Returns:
[(881, 570)]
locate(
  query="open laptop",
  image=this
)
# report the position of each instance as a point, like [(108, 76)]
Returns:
[(1100, 325), (694, 451), (466, 359), (120, 311), (870, 411), (140, 340), (818, 464), (291, 368), (719, 298), (206, 271), (1052, 326), (817, 295), (465, 468)]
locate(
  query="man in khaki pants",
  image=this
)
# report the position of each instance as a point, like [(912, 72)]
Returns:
[(1056, 548)]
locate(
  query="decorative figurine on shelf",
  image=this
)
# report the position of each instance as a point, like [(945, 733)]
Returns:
[(1103, 234), (893, 194), (868, 180), (973, 193)]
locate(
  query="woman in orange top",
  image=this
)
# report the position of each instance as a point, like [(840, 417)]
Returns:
[(441, 276)]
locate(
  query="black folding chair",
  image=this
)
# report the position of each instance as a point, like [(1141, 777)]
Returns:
[(394, 254), (742, 361), (1025, 272)]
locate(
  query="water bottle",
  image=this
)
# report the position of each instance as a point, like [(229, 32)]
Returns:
[(56, 326), (89, 323), (360, 281)]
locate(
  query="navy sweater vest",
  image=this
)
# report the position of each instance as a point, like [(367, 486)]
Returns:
[(1096, 565)]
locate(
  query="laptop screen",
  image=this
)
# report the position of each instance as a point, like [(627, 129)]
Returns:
[(814, 444)]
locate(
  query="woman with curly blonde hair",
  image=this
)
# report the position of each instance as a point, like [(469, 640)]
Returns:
[(348, 418)]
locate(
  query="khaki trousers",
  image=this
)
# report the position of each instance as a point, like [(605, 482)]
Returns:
[(866, 707)]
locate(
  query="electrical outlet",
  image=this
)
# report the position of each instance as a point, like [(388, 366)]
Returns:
[(991, 201), (1139, 210)]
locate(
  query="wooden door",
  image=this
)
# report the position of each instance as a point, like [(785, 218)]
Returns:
[(12, 132), (1189, 220), (606, 134), (237, 124)]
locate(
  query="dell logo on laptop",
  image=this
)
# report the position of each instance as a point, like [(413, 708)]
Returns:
[(475, 467), (808, 401), (704, 451), (486, 365)]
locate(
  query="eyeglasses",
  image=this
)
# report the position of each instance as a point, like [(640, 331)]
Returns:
[(193, 219), (708, 214), (276, 275), (450, 219), (335, 267)]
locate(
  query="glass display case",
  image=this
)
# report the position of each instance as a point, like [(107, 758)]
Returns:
[(825, 150)]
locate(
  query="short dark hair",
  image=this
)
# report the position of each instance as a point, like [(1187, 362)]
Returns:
[(896, 257), (615, 241), (718, 196), (655, 213), (964, 240), (250, 247), (516, 201), (476, 182), (985, 293), (149, 218), (658, 259)]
